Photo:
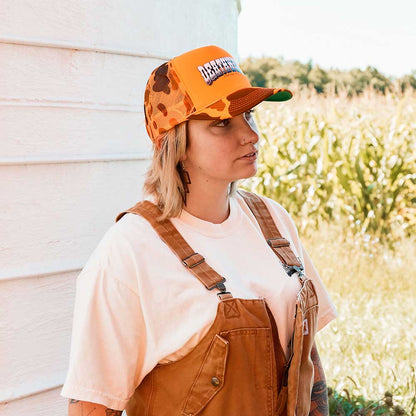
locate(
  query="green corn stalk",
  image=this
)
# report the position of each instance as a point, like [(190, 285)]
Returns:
[(340, 159)]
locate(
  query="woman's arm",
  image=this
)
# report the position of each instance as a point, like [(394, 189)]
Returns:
[(81, 408), (319, 397)]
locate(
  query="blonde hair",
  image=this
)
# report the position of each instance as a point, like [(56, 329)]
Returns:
[(163, 181)]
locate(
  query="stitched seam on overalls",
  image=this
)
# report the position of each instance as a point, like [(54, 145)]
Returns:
[(242, 331), (269, 392), (258, 384), (148, 410), (311, 307), (219, 373)]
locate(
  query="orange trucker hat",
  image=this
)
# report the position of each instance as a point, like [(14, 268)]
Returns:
[(204, 83)]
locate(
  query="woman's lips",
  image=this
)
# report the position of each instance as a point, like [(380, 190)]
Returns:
[(249, 156)]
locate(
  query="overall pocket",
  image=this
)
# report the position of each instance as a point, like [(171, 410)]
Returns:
[(251, 375), (238, 371), (210, 378)]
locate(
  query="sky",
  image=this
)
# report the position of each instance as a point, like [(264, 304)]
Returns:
[(332, 33)]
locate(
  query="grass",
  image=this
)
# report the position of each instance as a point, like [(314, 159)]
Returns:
[(370, 348)]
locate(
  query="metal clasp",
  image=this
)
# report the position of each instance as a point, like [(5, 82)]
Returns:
[(290, 270), (221, 287)]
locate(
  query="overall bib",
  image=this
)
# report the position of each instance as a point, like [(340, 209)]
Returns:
[(238, 368)]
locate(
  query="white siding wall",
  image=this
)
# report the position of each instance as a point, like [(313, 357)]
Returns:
[(73, 153)]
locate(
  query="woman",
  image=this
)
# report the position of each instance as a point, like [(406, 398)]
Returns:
[(200, 300)]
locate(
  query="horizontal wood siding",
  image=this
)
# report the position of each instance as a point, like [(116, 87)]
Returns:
[(73, 154)]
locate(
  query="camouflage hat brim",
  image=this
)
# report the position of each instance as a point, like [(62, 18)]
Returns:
[(238, 102)]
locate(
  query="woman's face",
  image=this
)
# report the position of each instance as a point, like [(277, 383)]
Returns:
[(222, 151)]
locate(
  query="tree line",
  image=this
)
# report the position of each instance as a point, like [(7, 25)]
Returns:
[(272, 72)]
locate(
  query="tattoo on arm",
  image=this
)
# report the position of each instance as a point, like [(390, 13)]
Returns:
[(82, 408), (319, 397)]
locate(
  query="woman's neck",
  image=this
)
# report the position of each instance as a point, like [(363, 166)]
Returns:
[(208, 203)]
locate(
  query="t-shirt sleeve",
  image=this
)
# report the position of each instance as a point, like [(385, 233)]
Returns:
[(108, 333)]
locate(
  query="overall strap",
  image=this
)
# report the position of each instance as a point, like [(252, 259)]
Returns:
[(194, 262), (279, 244)]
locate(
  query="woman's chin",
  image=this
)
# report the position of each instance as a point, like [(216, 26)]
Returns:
[(249, 173)]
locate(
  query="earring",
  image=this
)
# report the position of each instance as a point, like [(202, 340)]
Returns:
[(186, 180)]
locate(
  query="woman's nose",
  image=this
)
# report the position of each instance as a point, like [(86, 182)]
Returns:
[(249, 131)]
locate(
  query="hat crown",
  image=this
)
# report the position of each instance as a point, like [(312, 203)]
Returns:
[(209, 74)]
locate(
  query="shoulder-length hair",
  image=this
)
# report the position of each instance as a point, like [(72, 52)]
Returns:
[(163, 181)]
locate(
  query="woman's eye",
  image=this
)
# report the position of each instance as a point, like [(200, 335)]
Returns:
[(223, 123), (249, 114)]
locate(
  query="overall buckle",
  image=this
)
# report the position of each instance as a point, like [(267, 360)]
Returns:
[(221, 287), (291, 270), (190, 262)]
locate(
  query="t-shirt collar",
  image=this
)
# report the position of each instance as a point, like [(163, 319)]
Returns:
[(208, 228)]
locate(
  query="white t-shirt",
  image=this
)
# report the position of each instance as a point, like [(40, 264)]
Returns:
[(137, 305)]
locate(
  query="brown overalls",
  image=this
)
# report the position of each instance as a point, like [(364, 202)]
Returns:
[(239, 367)]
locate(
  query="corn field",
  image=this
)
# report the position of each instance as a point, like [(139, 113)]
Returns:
[(345, 169), (333, 158)]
